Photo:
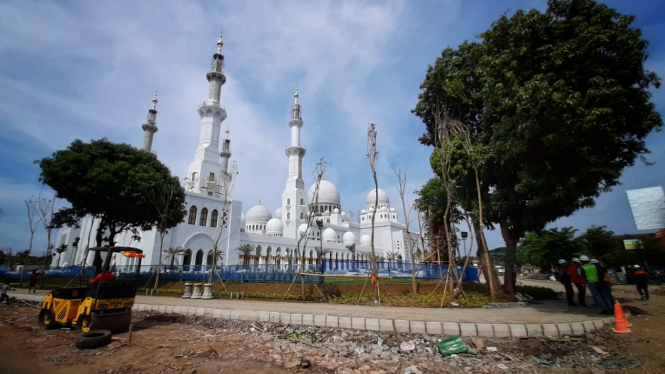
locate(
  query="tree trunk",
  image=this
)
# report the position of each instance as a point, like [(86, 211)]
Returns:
[(510, 275)]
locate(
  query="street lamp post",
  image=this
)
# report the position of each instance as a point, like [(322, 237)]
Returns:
[(464, 236)]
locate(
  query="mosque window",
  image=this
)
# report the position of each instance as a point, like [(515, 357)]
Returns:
[(328, 220), (211, 177), (302, 201), (288, 215), (204, 217), (302, 215), (192, 215), (213, 218), (288, 202)]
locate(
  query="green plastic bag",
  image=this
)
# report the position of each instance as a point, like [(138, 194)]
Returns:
[(452, 346)]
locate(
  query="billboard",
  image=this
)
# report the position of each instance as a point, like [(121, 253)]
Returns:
[(631, 244), (648, 207)]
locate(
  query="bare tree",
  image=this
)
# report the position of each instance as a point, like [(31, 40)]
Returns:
[(32, 204), (401, 189), (228, 180), (372, 157), (166, 201), (46, 208)]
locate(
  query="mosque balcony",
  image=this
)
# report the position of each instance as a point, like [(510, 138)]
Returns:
[(292, 150), (208, 103)]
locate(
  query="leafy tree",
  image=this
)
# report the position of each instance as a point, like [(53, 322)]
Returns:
[(560, 100), (108, 181), (246, 250), (62, 248), (171, 254), (545, 248), (598, 242)]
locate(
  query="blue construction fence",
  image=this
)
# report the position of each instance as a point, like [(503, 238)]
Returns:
[(265, 272)]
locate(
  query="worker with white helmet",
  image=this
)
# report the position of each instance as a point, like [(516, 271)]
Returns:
[(642, 282), (590, 274), (575, 276), (564, 278)]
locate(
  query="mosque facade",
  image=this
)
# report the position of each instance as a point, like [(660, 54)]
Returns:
[(277, 238)]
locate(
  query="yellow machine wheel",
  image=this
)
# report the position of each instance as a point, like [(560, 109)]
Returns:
[(46, 319), (84, 324)]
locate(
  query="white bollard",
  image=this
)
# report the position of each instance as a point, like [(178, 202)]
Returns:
[(207, 291), (188, 291)]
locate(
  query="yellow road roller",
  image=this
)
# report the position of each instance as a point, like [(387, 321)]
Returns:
[(106, 305)]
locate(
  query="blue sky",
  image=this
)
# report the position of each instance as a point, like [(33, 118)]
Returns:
[(88, 70)]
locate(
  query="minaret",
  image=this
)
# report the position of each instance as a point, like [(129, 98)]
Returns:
[(204, 171), (149, 128), (294, 197), (224, 155)]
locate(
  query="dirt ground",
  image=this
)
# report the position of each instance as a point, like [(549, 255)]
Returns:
[(177, 344)]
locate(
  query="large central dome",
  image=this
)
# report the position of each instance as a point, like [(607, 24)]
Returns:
[(258, 213), (328, 193)]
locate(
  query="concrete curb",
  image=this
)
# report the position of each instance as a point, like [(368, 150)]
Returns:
[(514, 330)]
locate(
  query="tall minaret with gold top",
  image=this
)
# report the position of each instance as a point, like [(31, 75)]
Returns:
[(150, 128), (294, 197), (204, 172)]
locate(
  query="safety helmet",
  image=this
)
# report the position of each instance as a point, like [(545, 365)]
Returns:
[(575, 259), (562, 261), (636, 266), (584, 258), (594, 261)]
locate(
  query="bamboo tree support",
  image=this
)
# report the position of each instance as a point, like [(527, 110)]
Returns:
[(361, 291)]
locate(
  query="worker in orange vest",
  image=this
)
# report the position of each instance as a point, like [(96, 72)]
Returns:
[(578, 281), (642, 282)]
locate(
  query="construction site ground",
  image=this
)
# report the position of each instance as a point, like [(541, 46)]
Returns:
[(170, 343)]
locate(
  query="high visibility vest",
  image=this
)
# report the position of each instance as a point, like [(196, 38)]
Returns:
[(591, 273)]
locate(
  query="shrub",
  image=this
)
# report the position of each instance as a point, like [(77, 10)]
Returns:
[(538, 293)]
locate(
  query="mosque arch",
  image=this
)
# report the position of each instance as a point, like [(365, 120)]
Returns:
[(257, 255), (187, 257)]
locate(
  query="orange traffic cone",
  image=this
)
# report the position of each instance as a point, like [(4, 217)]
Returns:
[(620, 322)]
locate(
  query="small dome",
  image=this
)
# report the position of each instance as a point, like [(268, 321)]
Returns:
[(365, 240), (326, 213), (383, 209), (349, 237), (302, 228), (328, 193), (258, 213), (329, 235), (274, 226), (392, 209), (363, 211), (335, 211), (278, 213), (343, 214), (383, 197)]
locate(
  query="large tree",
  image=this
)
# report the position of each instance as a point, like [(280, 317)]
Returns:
[(561, 102), (111, 182)]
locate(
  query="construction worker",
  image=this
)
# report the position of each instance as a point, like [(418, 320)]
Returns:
[(578, 281), (3, 291), (564, 278), (590, 274), (32, 282), (642, 282), (108, 278)]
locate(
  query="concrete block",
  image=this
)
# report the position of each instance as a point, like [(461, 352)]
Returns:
[(434, 328), (320, 320), (357, 323), (191, 311), (208, 312), (244, 315), (308, 319), (517, 330), (296, 319), (501, 330), (285, 318), (200, 312), (372, 324), (402, 325), (564, 329), (386, 325), (169, 309), (451, 328), (534, 330), (162, 309), (608, 321), (550, 329), (176, 309), (345, 322), (217, 313), (140, 307), (235, 314), (418, 327), (274, 317), (226, 314), (598, 323), (332, 321), (468, 329), (254, 315), (264, 316), (588, 326), (154, 308), (485, 329), (577, 327)]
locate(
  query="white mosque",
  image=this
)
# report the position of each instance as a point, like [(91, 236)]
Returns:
[(274, 236)]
